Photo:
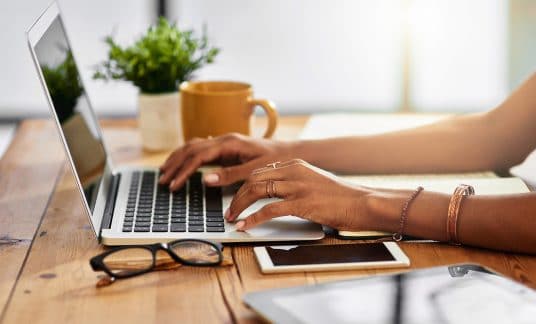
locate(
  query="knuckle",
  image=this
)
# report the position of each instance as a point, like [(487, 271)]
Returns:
[(254, 219), (259, 188), (196, 161), (230, 137), (188, 147), (224, 174), (250, 190), (271, 209), (195, 139)]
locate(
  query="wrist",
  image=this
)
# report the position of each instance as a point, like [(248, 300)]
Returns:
[(304, 150), (383, 208)]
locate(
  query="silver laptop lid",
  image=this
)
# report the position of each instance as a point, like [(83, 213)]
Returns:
[(72, 111)]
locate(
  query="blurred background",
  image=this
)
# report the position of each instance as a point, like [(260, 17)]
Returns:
[(305, 55)]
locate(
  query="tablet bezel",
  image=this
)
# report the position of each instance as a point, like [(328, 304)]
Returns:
[(267, 266)]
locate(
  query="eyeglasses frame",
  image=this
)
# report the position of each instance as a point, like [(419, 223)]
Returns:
[(97, 262)]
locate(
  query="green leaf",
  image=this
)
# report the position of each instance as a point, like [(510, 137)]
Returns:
[(160, 60)]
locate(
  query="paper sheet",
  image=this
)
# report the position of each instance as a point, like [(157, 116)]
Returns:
[(335, 125)]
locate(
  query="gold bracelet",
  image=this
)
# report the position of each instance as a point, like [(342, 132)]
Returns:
[(455, 204), (404, 214)]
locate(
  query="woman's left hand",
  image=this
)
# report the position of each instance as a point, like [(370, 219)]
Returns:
[(306, 192)]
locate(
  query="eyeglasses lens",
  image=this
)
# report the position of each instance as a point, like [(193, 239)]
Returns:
[(129, 261), (196, 252)]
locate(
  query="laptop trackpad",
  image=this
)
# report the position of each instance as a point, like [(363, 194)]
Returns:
[(276, 226)]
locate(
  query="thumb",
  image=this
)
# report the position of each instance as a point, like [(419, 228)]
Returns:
[(229, 175)]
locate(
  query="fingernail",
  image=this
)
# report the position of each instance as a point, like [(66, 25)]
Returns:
[(240, 225), (161, 178), (211, 178), (227, 213), (171, 184)]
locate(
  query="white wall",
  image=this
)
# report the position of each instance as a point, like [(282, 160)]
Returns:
[(349, 54), (87, 23), (306, 55), (459, 54)]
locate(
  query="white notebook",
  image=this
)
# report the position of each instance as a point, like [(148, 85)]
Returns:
[(336, 125)]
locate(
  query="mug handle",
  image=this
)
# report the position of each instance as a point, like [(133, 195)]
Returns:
[(271, 112)]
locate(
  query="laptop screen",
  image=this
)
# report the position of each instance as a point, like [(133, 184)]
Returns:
[(72, 108)]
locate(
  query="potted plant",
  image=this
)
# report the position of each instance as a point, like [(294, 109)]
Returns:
[(157, 63)]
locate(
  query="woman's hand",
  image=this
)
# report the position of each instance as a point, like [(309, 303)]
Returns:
[(307, 192), (239, 155)]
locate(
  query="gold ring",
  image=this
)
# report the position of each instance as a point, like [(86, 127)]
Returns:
[(270, 189), (273, 165)]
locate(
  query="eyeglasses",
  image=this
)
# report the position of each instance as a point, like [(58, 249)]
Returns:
[(133, 260)]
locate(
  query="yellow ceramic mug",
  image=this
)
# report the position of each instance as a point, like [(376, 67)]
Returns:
[(212, 108)]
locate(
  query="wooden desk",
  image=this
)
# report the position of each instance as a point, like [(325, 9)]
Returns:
[(46, 242)]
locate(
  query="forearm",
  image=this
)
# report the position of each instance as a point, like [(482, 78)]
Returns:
[(504, 223), (496, 140), (460, 144)]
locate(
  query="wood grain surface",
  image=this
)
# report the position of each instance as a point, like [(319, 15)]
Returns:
[(46, 242)]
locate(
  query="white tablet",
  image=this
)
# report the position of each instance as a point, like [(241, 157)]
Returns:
[(323, 257)]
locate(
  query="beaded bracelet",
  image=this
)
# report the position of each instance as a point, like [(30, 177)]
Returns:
[(404, 214), (455, 204)]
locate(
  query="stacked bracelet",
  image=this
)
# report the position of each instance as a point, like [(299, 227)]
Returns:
[(455, 204), (404, 214)]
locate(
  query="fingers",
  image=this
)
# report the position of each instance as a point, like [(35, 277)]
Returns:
[(195, 142), (192, 164), (284, 171), (229, 175), (176, 159), (266, 213), (259, 190), (278, 165)]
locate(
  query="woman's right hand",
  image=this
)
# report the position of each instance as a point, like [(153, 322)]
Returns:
[(239, 155)]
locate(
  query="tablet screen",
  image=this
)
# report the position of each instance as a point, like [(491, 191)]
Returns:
[(456, 294), (328, 254)]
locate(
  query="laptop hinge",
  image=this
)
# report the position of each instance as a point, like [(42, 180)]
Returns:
[(110, 202)]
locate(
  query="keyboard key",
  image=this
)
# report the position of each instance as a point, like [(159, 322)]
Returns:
[(215, 229), (178, 227), (215, 224), (214, 219), (192, 223), (141, 229), (160, 228), (196, 228), (127, 228), (213, 198), (214, 213), (142, 224), (160, 221)]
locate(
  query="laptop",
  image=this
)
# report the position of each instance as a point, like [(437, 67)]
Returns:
[(126, 205)]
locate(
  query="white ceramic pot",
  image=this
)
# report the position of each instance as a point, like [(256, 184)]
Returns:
[(160, 121)]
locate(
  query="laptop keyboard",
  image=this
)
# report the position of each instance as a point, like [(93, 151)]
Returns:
[(153, 208)]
